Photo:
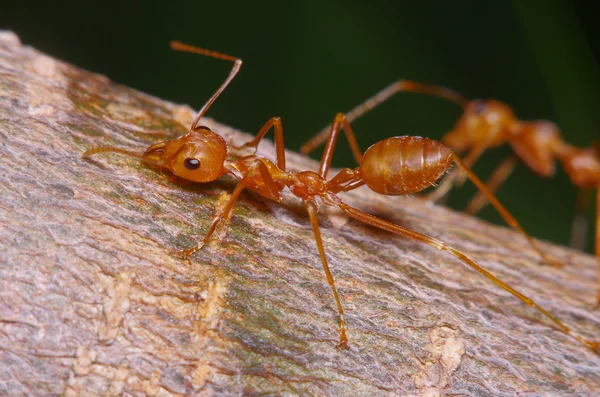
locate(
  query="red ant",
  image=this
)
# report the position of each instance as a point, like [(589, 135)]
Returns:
[(487, 124), (399, 165), (478, 140)]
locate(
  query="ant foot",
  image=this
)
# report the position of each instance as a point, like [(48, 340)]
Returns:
[(592, 344), (343, 342), (185, 254), (343, 345)]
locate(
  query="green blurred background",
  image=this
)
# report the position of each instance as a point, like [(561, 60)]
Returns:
[(305, 61)]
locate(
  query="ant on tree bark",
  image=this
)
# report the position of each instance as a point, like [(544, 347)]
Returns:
[(394, 166)]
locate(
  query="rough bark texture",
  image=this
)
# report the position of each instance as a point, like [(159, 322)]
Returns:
[(94, 302)]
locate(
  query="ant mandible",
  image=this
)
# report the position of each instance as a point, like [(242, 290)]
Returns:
[(486, 124), (399, 165)]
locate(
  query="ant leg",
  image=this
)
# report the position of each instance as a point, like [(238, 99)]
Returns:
[(440, 245), (269, 190), (508, 218), (312, 212), (237, 64), (499, 176), (222, 216), (380, 97), (579, 226), (339, 122), (275, 123)]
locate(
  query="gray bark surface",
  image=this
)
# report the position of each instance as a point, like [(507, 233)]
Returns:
[(93, 300)]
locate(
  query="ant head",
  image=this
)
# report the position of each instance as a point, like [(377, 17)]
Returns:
[(487, 121), (198, 156)]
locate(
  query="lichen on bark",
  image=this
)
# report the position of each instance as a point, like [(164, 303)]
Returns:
[(94, 302)]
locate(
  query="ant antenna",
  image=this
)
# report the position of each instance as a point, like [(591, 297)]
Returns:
[(104, 149), (237, 64)]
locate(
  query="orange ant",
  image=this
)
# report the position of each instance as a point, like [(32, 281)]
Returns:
[(399, 165), (487, 124), (483, 125)]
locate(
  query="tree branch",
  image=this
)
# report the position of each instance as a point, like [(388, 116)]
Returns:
[(94, 302)]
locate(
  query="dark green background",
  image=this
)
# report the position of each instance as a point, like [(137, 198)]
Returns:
[(307, 60)]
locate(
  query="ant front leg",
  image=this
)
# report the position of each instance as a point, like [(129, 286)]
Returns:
[(268, 188), (222, 216), (275, 123)]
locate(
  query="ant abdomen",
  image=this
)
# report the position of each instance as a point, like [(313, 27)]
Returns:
[(404, 164)]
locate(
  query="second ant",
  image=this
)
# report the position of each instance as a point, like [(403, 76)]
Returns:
[(487, 124)]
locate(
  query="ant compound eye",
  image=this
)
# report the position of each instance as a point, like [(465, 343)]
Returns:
[(191, 164), (479, 107)]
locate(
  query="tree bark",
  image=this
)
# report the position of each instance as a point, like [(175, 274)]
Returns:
[(93, 300)]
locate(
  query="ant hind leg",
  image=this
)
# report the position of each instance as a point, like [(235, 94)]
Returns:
[(440, 245), (508, 218)]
